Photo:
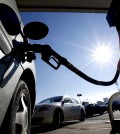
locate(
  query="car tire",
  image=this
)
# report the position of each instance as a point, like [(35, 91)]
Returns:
[(101, 112), (83, 116), (18, 116), (57, 119)]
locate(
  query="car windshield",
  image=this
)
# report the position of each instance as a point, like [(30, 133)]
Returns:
[(52, 100)]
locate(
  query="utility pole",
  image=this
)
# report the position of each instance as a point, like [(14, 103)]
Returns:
[(78, 95)]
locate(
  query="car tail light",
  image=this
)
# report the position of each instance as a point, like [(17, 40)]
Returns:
[(44, 108)]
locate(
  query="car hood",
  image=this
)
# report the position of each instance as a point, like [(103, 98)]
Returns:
[(50, 104)]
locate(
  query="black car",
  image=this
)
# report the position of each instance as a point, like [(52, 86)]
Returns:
[(92, 109), (116, 105)]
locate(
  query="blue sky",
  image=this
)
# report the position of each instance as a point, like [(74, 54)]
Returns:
[(75, 36)]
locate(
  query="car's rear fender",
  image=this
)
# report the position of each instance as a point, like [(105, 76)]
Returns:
[(8, 85), (29, 78)]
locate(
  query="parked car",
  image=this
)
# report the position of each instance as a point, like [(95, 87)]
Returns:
[(115, 105), (58, 109), (92, 109)]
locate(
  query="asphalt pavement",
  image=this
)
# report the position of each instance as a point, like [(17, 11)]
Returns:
[(99, 124)]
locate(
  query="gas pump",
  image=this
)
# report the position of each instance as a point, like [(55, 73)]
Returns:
[(113, 18)]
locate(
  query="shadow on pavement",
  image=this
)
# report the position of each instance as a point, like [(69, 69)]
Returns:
[(95, 115), (46, 128)]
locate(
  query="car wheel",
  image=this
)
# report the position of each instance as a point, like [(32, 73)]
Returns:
[(18, 117), (57, 119), (101, 112), (83, 116)]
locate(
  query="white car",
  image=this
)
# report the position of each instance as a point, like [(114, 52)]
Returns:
[(58, 109)]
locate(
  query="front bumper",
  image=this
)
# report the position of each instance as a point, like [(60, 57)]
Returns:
[(44, 117)]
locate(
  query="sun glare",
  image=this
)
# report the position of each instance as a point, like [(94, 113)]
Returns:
[(102, 54)]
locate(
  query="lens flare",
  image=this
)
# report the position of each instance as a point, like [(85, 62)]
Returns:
[(102, 54)]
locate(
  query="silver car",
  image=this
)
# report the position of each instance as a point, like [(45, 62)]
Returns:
[(17, 76), (58, 109)]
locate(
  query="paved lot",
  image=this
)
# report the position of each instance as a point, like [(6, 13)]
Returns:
[(95, 125)]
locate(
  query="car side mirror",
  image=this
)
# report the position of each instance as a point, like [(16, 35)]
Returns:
[(62, 103)]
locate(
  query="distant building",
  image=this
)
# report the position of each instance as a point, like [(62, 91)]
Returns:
[(85, 103), (106, 99), (100, 102)]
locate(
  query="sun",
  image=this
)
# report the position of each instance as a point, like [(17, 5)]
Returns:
[(102, 54)]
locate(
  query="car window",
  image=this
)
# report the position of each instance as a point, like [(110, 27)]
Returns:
[(56, 99), (52, 100), (67, 100), (74, 101)]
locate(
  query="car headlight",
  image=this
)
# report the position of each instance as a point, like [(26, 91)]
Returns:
[(44, 108)]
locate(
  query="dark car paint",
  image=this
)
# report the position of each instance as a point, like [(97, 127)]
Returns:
[(92, 109)]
